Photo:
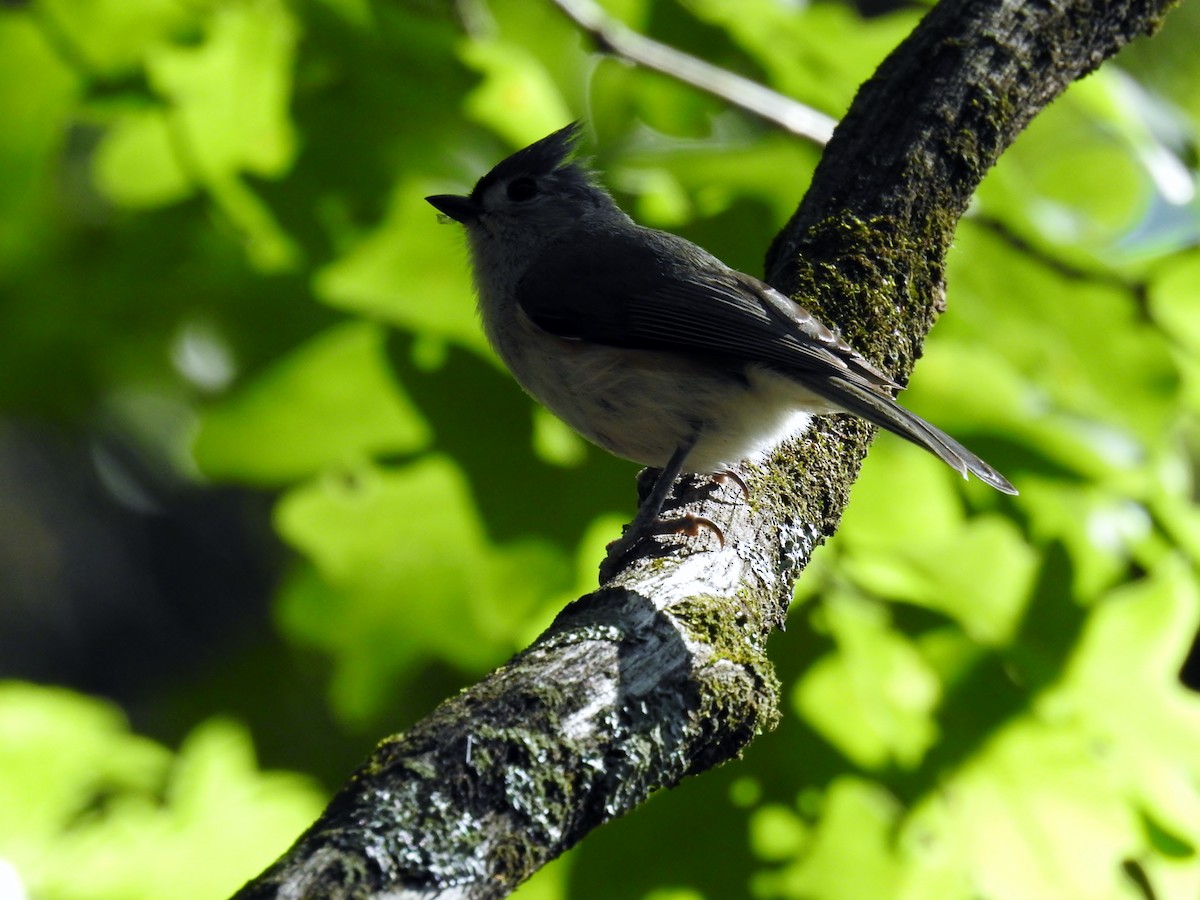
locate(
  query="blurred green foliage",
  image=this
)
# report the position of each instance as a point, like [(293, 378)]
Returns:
[(213, 238), (88, 809)]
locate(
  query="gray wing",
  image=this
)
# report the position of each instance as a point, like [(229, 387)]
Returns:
[(645, 289), (651, 290)]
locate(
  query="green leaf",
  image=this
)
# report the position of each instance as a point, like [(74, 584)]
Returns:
[(1066, 336), (944, 575), (1103, 532), (332, 402), (879, 520), (410, 271), (821, 53), (140, 163), (777, 832), (1040, 188), (715, 175), (850, 852), (1032, 815), (621, 94), (874, 698), (60, 749), (1175, 299), (1055, 802), (1098, 770), (111, 37), (1123, 686), (226, 116), (517, 98), (403, 573), (90, 811), (34, 119)]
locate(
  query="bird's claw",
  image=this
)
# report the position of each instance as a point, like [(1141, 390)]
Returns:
[(691, 526), (728, 475), (687, 525)]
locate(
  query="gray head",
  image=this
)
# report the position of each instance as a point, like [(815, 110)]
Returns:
[(532, 197)]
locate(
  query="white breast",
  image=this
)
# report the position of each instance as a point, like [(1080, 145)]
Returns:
[(641, 405)]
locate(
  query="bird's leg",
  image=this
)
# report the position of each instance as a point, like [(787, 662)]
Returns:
[(646, 479), (650, 508), (647, 520)]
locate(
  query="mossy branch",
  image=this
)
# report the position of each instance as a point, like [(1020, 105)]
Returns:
[(663, 673)]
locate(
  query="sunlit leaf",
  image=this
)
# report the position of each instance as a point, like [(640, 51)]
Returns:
[(517, 98), (402, 573), (1068, 336), (873, 697), (820, 53), (1046, 181), (34, 121), (943, 575), (94, 812), (225, 116), (332, 402), (107, 37), (410, 271), (850, 853), (1175, 299)]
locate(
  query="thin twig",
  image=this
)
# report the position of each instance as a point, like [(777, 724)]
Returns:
[(621, 40)]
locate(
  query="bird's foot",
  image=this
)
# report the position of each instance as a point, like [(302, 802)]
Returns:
[(621, 549), (728, 475)]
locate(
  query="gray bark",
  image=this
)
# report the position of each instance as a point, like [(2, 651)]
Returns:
[(662, 673)]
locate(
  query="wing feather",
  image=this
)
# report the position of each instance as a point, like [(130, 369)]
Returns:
[(647, 289)]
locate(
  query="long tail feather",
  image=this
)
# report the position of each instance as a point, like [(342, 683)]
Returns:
[(887, 413)]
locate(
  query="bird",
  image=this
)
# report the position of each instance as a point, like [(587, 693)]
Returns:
[(649, 346)]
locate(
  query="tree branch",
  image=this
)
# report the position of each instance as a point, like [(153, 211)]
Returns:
[(615, 37), (662, 673)]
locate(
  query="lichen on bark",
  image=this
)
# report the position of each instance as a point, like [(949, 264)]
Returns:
[(664, 673)]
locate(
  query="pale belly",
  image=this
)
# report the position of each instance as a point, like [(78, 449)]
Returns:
[(642, 405)]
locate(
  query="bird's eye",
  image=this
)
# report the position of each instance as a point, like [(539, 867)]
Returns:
[(521, 189)]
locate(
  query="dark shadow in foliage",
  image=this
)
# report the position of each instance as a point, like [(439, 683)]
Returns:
[(154, 594), (1002, 685), (668, 843), (132, 284), (634, 855), (374, 103), (1016, 458), (116, 574), (493, 439), (1189, 672), (1140, 880)]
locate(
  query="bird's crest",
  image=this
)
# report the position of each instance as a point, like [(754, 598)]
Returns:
[(540, 158)]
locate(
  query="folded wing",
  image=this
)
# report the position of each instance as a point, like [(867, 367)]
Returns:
[(645, 289)]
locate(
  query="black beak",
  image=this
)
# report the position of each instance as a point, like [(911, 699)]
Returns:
[(460, 209)]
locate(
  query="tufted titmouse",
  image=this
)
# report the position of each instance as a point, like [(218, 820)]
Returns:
[(648, 345)]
